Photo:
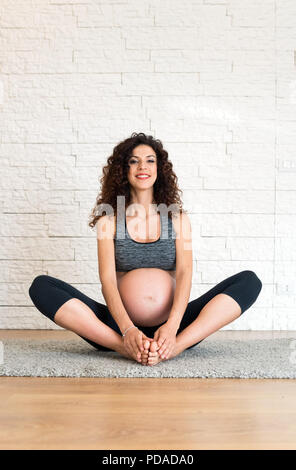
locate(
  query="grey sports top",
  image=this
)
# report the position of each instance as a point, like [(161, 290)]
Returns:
[(130, 254)]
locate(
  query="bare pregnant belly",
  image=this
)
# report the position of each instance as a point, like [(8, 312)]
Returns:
[(147, 295)]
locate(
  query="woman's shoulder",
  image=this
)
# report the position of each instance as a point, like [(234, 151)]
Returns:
[(107, 223), (180, 220)]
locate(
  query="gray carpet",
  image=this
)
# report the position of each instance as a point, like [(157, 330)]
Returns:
[(252, 358), (256, 358)]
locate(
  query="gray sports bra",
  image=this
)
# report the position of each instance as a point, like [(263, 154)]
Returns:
[(130, 254)]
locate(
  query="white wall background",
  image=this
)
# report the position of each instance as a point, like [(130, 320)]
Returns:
[(215, 80)]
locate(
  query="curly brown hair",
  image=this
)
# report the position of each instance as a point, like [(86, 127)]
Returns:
[(115, 182)]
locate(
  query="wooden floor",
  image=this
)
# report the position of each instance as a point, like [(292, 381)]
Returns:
[(146, 413)]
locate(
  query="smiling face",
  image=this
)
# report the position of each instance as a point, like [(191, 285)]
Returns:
[(143, 160)]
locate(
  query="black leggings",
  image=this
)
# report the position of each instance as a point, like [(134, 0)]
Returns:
[(48, 294)]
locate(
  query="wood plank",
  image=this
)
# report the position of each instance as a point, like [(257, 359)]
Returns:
[(146, 413)]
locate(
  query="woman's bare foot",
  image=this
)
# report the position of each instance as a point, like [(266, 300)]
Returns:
[(124, 353), (154, 356), (145, 353), (121, 350), (150, 356)]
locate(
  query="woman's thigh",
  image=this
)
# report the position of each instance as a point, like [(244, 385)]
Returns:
[(49, 293), (244, 287)]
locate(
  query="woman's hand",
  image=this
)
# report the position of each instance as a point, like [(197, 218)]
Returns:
[(133, 342), (165, 336)]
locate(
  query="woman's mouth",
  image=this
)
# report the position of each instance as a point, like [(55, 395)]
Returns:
[(142, 177)]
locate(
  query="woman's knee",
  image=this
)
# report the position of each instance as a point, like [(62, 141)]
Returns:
[(252, 279), (36, 284), (251, 276)]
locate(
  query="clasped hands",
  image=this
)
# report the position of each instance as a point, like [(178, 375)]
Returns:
[(165, 336)]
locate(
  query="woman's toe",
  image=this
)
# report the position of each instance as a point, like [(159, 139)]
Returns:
[(146, 344), (154, 346), (153, 354)]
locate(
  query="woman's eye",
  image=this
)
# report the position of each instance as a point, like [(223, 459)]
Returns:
[(134, 161)]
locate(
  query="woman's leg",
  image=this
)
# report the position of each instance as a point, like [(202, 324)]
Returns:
[(68, 307), (216, 308)]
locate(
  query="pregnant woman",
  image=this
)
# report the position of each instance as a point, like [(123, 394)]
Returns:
[(145, 266)]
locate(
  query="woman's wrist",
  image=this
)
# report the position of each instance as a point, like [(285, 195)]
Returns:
[(174, 324), (127, 329)]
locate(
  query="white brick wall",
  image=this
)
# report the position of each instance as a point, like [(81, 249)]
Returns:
[(215, 80)]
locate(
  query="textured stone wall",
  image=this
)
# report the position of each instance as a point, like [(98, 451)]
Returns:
[(215, 80)]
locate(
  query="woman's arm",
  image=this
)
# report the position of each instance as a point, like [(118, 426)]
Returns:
[(181, 298), (115, 305), (107, 272), (182, 227)]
